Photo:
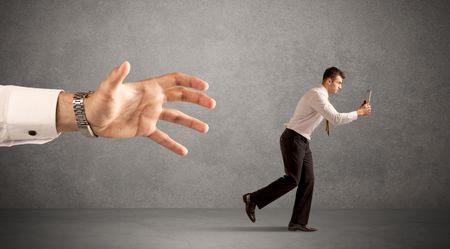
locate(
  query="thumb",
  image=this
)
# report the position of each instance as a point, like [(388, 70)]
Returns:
[(118, 74)]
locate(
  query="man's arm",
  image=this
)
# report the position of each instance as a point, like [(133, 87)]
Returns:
[(321, 104), (123, 110)]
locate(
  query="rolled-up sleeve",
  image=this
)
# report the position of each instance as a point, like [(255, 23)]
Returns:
[(27, 115), (322, 105)]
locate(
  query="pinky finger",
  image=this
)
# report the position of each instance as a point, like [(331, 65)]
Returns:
[(165, 140)]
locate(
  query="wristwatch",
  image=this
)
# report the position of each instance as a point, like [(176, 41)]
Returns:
[(80, 114)]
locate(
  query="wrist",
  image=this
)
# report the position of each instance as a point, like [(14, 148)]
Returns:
[(78, 104), (65, 119)]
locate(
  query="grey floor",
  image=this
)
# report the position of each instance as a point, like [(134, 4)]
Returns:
[(221, 228)]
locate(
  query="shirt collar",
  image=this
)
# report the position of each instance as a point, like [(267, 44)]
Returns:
[(324, 90)]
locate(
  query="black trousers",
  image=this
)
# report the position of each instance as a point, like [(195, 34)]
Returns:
[(298, 166)]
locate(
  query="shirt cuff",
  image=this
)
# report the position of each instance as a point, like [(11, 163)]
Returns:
[(31, 114), (354, 115)]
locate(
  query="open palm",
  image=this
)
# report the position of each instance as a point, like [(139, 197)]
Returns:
[(121, 110)]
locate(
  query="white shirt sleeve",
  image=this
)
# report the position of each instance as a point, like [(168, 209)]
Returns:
[(322, 105), (27, 115)]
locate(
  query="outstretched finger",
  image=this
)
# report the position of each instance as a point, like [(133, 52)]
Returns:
[(186, 95), (178, 117), (181, 79), (163, 139)]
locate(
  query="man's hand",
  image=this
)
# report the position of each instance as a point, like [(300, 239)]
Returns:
[(364, 109), (123, 110)]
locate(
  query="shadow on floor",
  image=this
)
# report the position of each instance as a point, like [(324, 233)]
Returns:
[(245, 229)]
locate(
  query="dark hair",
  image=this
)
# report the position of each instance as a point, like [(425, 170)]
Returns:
[(332, 73)]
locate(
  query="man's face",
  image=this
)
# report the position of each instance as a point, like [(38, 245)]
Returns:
[(335, 85)]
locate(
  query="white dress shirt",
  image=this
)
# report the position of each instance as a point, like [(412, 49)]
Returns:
[(312, 108), (27, 115)]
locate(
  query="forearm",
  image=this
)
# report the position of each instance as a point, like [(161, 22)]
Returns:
[(341, 118), (320, 103), (335, 117), (65, 117)]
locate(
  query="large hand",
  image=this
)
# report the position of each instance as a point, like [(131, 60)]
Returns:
[(122, 110)]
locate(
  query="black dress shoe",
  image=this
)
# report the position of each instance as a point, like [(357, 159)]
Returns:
[(298, 227), (249, 207)]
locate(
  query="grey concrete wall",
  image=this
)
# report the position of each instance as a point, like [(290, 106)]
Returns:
[(259, 58)]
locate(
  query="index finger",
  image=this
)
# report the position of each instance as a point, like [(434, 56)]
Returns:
[(181, 79)]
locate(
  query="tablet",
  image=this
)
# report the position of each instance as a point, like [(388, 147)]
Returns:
[(369, 94)]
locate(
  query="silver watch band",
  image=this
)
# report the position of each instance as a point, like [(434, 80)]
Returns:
[(80, 114)]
